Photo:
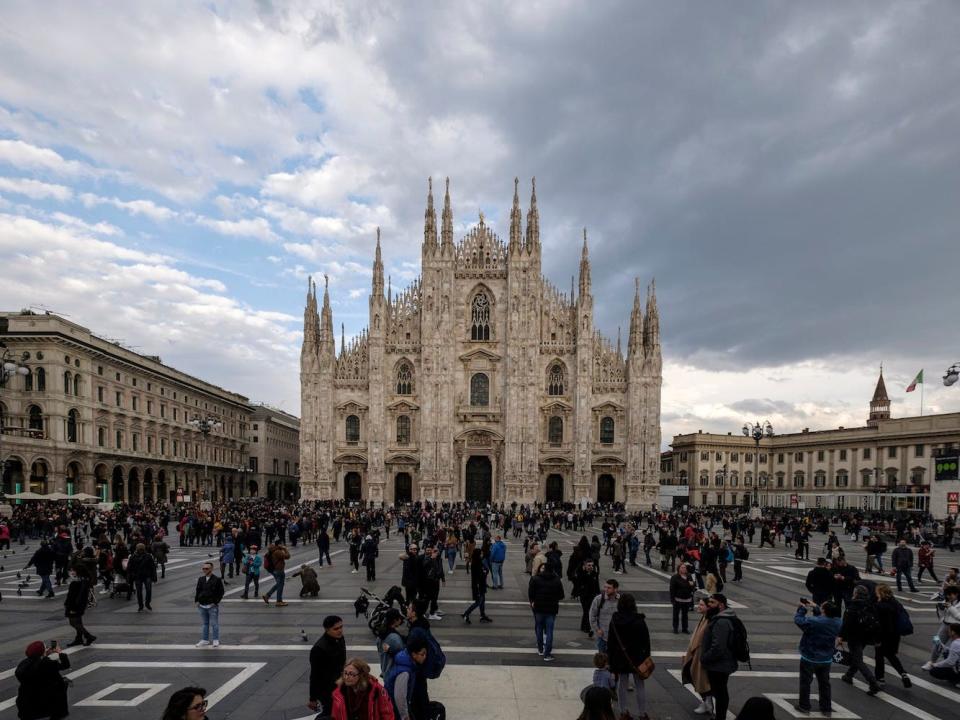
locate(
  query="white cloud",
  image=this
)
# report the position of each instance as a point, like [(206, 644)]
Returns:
[(258, 228), (100, 228), (321, 187), (147, 208), (35, 189), (30, 157)]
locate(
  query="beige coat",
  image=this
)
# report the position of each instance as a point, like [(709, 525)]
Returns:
[(693, 672)]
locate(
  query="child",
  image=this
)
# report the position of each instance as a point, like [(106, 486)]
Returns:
[(602, 677)]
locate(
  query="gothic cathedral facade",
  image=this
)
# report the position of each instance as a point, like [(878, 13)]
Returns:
[(481, 382)]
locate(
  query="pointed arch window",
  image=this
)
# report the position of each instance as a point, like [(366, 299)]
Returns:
[(403, 430), (404, 379), (353, 429), (479, 390), (41, 381), (480, 317), (555, 379), (73, 422), (555, 430), (606, 430)]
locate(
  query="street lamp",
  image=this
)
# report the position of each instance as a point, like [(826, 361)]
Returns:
[(758, 432), (242, 471), (205, 426), (952, 374)]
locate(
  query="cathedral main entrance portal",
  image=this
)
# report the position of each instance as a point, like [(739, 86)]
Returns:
[(554, 491), (352, 487), (606, 489), (479, 480), (403, 488)]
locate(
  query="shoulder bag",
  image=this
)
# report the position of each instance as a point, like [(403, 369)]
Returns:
[(645, 668)]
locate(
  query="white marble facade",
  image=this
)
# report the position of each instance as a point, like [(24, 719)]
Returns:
[(481, 381)]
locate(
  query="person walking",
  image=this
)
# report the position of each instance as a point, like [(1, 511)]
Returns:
[(75, 605), (889, 612), (817, 645), (692, 671), (327, 659), (43, 690), (602, 609), (717, 651), (740, 553), (860, 628), (681, 596), (43, 559), (207, 597), (925, 561), (368, 556), (430, 579), (160, 551), (478, 588), (360, 695), (252, 563), (545, 592), (629, 647), (407, 684), (275, 563), (820, 582), (902, 561), (586, 587), (498, 555), (142, 572), (323, 546), (411, 572), (355, 541)]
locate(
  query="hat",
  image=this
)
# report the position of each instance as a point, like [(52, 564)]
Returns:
[(701, 595), (35, 649), (254, 547)]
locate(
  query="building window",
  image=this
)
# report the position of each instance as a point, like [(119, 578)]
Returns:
[(135, 441), (149, 407), (255, 426), (119, 397), (704, 457), (479, 390), (734, 480), (99, 369), (820, 479), (73, 422), (916, 476), (918, 451), (703, 499), (119, 439), (733, 499), (734, 457), (748, 479), (798, 479), (353, 428), (718, 478), (100, 390), (780, 477), (41, 379), (798, 457), (842, 479), (149, 443), (892, 451), (67, 383), (866, 453), (555, 430), (762, 479), (607, 429), (779, 458), (163, 411), (404, 379), (101, 436), (136, 403), (118, 377), (403, 430), (820, 455), (163, 446), (763, 457), (719, 457), (704, 479), (555, 379), (276, 466), (843, 456), (748, 458), (76, 384), (480, 317), (683, 457)]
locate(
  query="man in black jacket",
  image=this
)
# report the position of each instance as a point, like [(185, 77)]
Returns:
[(142, 571), (681, 597), (328, 656), (545, 593), (820, 582), (411, 572), (208, 595)]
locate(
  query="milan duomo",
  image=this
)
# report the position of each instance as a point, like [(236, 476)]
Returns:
[(481, 382)]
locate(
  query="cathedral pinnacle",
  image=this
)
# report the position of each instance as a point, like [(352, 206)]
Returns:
[(516, 231), (584, 267), (533, 221), (378, 269), (651, 321), (635, 341), (430, 221), (446, 230)]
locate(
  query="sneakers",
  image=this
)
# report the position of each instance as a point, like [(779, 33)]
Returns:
[(216, 643), (549, 658), (927, 665), (354, 572), (203, 643), (539, 651), (434, 617), (706, 707), (466, 618), (873, 690), (485, 619), (847, 680), (281, 603)]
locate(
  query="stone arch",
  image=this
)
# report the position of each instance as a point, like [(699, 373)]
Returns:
[(404, 377), (118, 488), (13, 473), (556, 380), (101, 481), (133, 477), (606, 488), (481, 304), (73, 476), (148, 492), (39, 475)]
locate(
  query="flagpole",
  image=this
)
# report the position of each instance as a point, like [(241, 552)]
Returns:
[(921, 398)]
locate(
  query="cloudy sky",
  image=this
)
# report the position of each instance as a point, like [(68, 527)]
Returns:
[(171, 172)]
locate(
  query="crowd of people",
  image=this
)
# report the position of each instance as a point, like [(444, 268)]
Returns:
[(126, 549)]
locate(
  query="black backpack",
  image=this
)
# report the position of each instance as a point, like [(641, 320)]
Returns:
[(870, 627), (738, 641)]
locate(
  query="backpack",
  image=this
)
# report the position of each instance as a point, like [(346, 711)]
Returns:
[(870, 625), (904, 624), (268, 562), (738, 641), (744, 552), (436, 659)]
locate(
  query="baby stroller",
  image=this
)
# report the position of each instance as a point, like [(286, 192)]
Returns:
[(376, 617)]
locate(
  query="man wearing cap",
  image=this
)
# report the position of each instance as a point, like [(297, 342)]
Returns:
[(42, 692), (327, 658), (252, 563)]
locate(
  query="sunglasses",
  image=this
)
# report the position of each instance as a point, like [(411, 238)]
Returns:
[(199, 706)]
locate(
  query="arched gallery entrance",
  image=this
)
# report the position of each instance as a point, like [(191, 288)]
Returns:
[(479, 480)]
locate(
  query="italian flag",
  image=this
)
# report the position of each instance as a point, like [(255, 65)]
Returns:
[(917, 380)]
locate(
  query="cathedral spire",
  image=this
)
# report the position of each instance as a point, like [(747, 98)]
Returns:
[(584, 268), (446, 230), (516, 231), (651, 321), (326, 324), (343, 337), (635, 340), (310, 320), (533, 221), (378, 270), (430, 222)]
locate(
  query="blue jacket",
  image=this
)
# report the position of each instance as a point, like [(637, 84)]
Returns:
[(402, 663), (498, 551), (818, 642)]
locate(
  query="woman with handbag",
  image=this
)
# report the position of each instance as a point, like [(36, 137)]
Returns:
[(629, 651)]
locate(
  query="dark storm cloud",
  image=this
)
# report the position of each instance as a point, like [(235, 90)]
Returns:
[(788, 171)]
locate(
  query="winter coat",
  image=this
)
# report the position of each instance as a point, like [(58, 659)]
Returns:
[(717, 651), (308, 577), (554, 560), (327, 658), (820, 581), (78, 595), (629, 642), (819, 635), (902, 558), (693, 672), (681, 589), (852, 630), (253, 563), (545, 592), (586, 585), (498, 551), (478, 580), (280, 557), (141, 566), (394, 643), (43, 691), (160, 549), (43, 560), (411, 571), (379, 706)]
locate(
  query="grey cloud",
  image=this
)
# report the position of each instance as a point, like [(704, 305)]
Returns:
[(766, 406)]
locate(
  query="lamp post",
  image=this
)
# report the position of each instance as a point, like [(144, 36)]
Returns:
[(952, 374), (10, 365), (242, 471), (205, 426), (758, 432)]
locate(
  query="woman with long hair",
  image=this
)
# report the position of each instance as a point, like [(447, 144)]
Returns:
[(888, 609), (186, 704), (358, 694), (693, 672), (628, 646), (597, 705)]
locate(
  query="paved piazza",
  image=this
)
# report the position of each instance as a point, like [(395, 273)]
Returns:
[(493, 671)]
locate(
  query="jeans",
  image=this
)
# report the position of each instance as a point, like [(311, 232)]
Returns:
[(905, 574), (210, 617), (496, 571), (452, 558), (140, 585), (930, 571), (680, 610), (623, 694), (857, 663), (45, 585), (481, 603), (721, 695), (543, 627), (255, 579), (325, 553), (601, 644), (822, 672), (280, 579)]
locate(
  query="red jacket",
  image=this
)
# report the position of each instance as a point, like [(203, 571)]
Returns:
[(925, 556), (379, 706)]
